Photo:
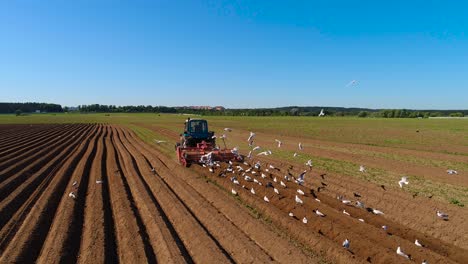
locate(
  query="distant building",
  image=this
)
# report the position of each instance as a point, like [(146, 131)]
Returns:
[(38, 111)]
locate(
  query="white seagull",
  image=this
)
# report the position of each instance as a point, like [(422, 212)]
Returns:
[(321, 113), (401, 253), (362, 168), (228, 129), (252, 135), (300, 146), (72, 195), (256, 148), (416, 242), (346, 213), (252, 190), (442, 215), (282, 184), (291, 214), (377, 212), (279, 143), (266, 153), (276, 190), (304, 220), (298, 200), (233, 192), (159, 141), (403, 181), (266, 199), (452, 171), (309, 163), (317, 212), (299, 191)]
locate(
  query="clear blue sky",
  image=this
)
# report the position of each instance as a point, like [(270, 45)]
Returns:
[(404, 54)]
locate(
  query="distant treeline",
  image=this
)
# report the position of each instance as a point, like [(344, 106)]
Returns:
[(9, 108), (281, 111)]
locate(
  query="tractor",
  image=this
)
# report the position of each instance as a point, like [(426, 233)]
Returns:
[(198, 145)]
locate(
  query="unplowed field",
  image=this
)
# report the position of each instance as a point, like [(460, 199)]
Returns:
[(95, 193)]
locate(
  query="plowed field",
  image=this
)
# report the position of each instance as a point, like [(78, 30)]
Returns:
[(94, 193)]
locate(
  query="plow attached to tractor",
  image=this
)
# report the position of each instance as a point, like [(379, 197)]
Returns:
[(198, 145)]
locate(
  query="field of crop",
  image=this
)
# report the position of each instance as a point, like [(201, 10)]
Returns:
[(97, 187)]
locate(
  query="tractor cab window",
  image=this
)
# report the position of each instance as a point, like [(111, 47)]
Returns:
[(198, 126)]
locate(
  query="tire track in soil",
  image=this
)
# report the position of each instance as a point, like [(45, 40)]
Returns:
[(26, 245), (62, 243), (162, 243), (16, 206)]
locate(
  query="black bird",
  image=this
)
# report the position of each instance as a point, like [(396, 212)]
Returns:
[(313, 193), (323, 175), (269, 184), (415, 194), (383, 187), (320, 188), (369, 259), (320, 232), (323, 184), (357, 195)]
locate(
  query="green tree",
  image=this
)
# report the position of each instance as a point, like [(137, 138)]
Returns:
[(363, 114), (18, 112)]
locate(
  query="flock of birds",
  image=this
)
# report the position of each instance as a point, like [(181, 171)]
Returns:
[(251, 174)]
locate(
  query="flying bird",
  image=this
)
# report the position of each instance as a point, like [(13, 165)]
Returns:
[(256, 148), (362, 168), (300, 146), (249, 156), (279, 143), (321, 113), (252, 135), (403, 181), (309, 163), (266, 153), (352, 83)]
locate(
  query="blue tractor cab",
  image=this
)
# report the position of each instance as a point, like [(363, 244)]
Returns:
[(196, 131)]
